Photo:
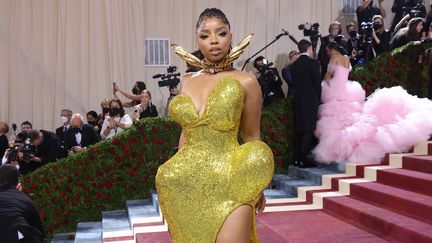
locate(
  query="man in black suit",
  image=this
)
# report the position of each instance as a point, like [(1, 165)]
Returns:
[(64, 121), (46, 148), (16, 209), (79, 135), (307, 80)]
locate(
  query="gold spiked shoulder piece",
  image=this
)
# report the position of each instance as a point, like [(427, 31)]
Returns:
[(224, 65)]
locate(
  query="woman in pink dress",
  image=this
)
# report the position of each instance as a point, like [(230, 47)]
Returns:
[(351, 129)]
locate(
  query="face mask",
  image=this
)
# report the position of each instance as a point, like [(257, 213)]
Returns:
[(135, 91), (93, 123), (117, 119), (353, 34), (334, 33), (63, 120), (115, 111), (105, 110)]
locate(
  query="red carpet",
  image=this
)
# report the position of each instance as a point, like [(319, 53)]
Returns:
[(300, 226)]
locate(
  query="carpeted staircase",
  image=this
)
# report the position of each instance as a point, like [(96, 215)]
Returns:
[(366, 203)]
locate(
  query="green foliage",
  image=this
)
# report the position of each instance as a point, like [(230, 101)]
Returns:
[(399, 67), (103, 176)]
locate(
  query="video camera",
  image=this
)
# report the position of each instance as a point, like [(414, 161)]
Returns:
[(366, 28), (169, 79), (416, 11), (266, 75), (20, 146), (311, 31)]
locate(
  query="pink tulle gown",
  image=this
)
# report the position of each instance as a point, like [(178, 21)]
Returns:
[(351, 129)]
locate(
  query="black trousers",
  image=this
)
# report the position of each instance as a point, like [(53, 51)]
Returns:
[(302, 145)]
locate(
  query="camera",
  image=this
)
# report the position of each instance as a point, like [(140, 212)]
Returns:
[(367, 30), (311, 31), (416, 11), (20, 146), (169, 79), (266, 76)]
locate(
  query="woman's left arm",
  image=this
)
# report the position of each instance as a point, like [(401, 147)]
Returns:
[(251, 116)]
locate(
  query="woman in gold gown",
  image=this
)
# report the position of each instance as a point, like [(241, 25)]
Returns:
[(212, 188)]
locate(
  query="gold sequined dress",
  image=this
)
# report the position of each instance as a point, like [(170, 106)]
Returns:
[(211, 175)]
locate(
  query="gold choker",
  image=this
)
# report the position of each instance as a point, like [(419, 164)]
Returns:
[(224, 65)]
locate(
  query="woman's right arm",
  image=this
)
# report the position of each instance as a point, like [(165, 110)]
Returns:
[(127, 94)]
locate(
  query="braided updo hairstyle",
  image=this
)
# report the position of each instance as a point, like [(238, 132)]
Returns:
[(213, 12), (337, 45)]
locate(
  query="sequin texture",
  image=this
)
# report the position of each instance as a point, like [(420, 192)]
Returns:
[(211, 175)]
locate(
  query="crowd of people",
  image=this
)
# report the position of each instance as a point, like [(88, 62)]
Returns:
[(29, 148)]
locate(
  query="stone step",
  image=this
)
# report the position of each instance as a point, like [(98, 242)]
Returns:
[(291, 186), (115, 224), (88, 232), (142, 211), (63, 238), (313, 174), (275, 193)]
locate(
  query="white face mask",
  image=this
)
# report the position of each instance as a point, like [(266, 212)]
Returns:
[(117, 119), (63, 120), (334, 32)]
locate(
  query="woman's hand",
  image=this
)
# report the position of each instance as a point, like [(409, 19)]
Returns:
[(259, 207)]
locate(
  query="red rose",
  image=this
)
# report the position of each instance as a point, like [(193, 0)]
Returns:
[(167, 126), (133, 154), (132, 173), (115, 141), (109, 183), (67, 199), (265, 139), (155, 131), (47, 190), (95, 150), (91, 158), (75, 174), (126, 148), (33, 186), (118, 159), (77, 197), (65, 168), (79, 182)]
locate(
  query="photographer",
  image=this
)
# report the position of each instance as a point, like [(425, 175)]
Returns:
[(410, 33), (26, 126), (135, 96), (366, 11), (335, 30), (116, 122), (354, 42), (146, 108), (46, 148), (404, 7), (269, 81), (381, 36)]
